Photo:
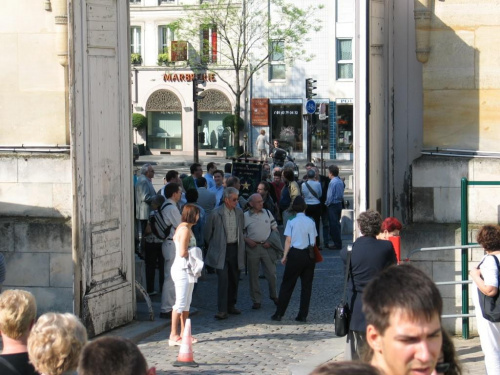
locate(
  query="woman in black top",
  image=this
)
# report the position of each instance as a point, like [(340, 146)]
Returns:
[(369, 257)]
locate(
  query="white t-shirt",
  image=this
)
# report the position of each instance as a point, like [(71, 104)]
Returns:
[(261, 142), (489, 271)]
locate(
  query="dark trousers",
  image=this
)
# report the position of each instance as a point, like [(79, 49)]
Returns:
[(325, 224), (142, 238), (228, 279), (298, 264), (154, 257), (314, 212), (334, 213)]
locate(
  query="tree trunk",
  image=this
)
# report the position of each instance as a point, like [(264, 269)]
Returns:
[(236, 126)]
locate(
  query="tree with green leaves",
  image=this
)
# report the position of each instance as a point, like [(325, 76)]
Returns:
[(249, 33)]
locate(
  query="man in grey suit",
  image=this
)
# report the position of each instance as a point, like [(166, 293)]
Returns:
[(206, 198), (144, 194), (226, 250)]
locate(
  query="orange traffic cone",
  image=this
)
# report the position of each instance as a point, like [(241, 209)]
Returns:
[(185, 357)]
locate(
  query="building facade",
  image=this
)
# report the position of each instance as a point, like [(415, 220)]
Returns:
[(163, 80), (281, 91)]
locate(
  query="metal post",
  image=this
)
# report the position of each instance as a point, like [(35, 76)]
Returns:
[(465, 269), (309, 137)]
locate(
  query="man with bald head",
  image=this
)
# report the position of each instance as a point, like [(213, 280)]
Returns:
[(259, 225)]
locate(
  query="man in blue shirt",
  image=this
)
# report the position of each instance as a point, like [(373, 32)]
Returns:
[(219, 188), (334, 199), (209, 176)]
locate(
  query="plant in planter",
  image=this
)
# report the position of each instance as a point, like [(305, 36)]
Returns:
[(139, 121), (135, 59), (163, 59)]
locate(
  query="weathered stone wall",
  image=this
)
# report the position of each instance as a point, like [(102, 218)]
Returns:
[(35, 227), (461, 78), (33, 81), (437, 188)]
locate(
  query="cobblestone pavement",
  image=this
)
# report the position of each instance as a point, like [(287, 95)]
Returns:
[(251, 343)]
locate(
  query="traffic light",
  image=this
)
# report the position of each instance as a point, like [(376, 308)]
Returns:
[(310, 88), (197, 90)]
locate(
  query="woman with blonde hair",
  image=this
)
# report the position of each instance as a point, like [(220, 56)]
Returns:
[(55, 343), (184, 272)]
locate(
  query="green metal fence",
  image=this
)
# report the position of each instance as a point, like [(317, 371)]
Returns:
[(464, 226), (465, 315)]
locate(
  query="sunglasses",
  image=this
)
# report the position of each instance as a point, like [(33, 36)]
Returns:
[(442, 367)]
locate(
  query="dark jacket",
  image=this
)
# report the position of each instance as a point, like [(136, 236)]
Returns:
[(369, 257)]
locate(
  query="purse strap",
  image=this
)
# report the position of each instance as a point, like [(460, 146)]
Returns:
[(498, 267), (312, 191), (347, 266)]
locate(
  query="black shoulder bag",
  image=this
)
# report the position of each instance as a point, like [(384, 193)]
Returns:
[(342, 316), (490, 306)]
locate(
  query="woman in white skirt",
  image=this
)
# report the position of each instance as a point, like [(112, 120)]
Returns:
[(485, 278), (184, 239)]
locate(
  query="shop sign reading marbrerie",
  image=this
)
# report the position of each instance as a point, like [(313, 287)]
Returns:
[(189, 77)]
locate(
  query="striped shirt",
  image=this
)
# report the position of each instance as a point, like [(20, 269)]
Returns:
[(231, 225)]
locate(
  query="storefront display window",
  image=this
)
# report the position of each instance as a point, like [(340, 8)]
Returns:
[(211, 132), (165, 130), (344, 128), (286, 125)]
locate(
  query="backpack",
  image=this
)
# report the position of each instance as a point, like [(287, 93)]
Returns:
[(158, 225)]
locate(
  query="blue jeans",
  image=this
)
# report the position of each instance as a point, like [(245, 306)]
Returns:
[(334, 213)]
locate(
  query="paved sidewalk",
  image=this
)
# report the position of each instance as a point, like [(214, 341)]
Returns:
[(251, 343)]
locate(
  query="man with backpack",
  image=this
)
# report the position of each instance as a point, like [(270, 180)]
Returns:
[(172, 218), (144, 193)]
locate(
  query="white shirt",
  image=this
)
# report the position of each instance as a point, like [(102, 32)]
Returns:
[(172, 216), (302, 230), (489, 271)]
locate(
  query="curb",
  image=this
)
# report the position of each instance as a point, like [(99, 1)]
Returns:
[(138, 330)]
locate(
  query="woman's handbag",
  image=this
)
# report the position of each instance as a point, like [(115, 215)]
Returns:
[(317, 255), (490, 306), (314, 252), (342, 316)]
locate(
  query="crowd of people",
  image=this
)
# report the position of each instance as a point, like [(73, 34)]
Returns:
[(238, 233), (395, 310), (233, 232)]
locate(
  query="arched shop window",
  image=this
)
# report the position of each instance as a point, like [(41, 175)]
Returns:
[(164, 113), (212, 109)]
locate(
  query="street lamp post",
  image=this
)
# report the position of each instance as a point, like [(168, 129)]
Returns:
[(196, 90)]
